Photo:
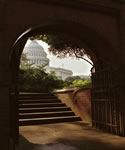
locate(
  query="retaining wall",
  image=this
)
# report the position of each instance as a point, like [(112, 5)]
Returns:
[(79, 99)]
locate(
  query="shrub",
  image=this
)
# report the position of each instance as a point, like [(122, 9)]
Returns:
[(36, 79), (78, 83)]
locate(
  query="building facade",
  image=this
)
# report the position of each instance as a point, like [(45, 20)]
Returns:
[(60, 72)]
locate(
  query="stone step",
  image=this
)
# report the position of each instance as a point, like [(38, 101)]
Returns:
[(34, 94), (44, 115), (43, 108), (30, 97), (40, 101), (38, 121), (46, 109), (40, 105)]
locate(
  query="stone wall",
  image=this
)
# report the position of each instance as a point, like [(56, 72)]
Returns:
[(79, 100)]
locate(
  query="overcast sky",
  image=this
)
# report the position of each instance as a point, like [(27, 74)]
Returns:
[(77, 66)]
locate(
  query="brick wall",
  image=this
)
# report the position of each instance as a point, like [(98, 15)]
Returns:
[(79, 100)]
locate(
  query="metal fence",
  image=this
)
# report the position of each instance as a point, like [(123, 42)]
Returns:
[(105, 99)]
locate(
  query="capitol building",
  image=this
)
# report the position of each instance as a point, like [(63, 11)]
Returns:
[(37, 56)]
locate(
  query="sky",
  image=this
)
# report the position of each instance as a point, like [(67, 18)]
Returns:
[(77, 66)]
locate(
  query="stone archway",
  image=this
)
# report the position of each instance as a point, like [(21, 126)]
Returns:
[(105, 18), (61, 28)]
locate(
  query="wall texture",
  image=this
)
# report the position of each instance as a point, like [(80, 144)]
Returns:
[(79, 100)]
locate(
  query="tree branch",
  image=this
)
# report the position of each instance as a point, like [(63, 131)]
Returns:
[(82, 58)]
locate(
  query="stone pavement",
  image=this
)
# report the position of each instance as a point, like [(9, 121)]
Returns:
[(68, 136)]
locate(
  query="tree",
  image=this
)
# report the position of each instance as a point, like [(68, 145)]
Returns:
[(23, 59), (72, 78), (36, 79), (61, 47), (78, 83)]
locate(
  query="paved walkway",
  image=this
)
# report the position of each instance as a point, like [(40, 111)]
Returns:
[(68, 136)]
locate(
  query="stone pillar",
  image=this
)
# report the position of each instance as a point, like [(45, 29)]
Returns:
[(4, 86), (122, 72), (4, 96), (6, 142)]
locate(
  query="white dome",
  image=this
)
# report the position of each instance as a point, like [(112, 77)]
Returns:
[(34, 47), (35, 53)]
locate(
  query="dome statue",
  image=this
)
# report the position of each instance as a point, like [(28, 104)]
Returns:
[(35, 53)]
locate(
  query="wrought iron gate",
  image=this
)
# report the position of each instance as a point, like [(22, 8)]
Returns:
[(105, 99)]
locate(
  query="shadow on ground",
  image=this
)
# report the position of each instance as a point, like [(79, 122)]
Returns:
[(68, 136), (63, 144), (24, 144)]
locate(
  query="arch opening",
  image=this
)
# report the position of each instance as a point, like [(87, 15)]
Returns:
[(63, 30), (60, 47)]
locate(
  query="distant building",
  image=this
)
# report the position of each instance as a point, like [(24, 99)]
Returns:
[(60, 72), (37, 56)]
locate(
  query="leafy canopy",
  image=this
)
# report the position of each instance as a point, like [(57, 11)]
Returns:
[(62, 47)]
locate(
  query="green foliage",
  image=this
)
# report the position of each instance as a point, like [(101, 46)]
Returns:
[(56, 42), (78, 83), (72, 78), (36, 79), (61, 46), (67, 84), (23, 59)]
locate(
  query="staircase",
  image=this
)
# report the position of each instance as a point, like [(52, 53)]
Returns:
[(43, 108)]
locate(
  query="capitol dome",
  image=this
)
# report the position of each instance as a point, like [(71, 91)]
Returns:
[(35, 53), (37, 56)]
